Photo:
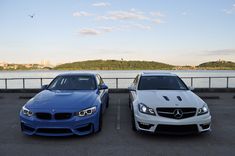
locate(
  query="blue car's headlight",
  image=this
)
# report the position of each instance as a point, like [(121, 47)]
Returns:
[(203, 110), (145, 109), (86, 112), (27, 112)]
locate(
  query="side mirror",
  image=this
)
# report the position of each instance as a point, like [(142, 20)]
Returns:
[(102, 86), (131, 88), (190, 88), (44, 87)]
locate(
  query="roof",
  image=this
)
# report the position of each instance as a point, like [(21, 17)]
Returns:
[(77, 74), (157, 74)]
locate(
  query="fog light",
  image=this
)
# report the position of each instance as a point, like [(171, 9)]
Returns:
[(145, 125), (205, 126)]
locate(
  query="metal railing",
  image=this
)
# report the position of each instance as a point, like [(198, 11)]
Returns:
[(196, 82), (227, 79), (23, 81)]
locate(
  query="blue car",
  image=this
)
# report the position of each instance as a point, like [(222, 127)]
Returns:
[(71, 104)]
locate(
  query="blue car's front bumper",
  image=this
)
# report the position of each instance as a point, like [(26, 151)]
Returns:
[(75, 125)]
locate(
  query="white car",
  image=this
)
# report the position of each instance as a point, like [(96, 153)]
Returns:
[(162, 103)]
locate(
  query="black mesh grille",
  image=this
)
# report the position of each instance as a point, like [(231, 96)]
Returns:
[(62, 116), (171, 112), (54, 130), (178, 129), (44, 116), (85, 128), (26, 128), (57, 116)]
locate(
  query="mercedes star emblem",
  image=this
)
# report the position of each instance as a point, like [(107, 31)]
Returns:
[(178, 113)]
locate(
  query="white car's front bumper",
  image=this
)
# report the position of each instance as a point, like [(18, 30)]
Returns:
[(152, 123)]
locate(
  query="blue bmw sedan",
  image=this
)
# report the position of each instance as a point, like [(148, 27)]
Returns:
[(72, 103)]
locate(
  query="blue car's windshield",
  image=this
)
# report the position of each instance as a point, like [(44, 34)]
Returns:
[(73, 82), (161, 83)]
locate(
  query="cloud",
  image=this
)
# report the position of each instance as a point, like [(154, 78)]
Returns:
[(220, 52), (101, 4), (184, 13), (81, 13), (158, 21), (102, 30), (89, 32), (96, 31), (124, 15), (141, 26), (133, 14), (231, 10), (158, 14), (107, 29), (146, 21)]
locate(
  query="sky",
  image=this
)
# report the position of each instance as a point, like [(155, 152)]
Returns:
[(178, 32)]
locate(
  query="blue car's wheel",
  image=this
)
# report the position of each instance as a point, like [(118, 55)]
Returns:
[(100, 120), (107, 102)]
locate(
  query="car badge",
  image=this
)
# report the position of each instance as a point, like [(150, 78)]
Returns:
[(178, 113)]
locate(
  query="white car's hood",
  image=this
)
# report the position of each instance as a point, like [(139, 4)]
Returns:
[(158, 98)]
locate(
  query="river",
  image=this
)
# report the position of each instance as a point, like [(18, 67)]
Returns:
[(198, 83)]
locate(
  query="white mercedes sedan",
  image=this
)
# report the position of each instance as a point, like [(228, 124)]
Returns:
[(162, 103)]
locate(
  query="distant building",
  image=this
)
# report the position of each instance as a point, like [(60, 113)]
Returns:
[(45, 63), (28, 65), (222, 61), (3, 64)]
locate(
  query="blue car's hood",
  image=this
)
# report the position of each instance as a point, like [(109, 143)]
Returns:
[(63, 100)]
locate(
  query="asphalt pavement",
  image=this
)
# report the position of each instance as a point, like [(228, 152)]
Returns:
[(117, 137)]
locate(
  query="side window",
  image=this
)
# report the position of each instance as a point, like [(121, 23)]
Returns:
[(98, 80), (136, 80), (101, 80)]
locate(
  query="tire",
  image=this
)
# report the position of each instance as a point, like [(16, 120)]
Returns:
[(133, 121), (100, 120), (107, 104), (21, 127)]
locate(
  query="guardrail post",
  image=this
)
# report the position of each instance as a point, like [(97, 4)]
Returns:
[(41, 81), (227, 82), (6, 83), (116, 83), (191, 81), (23, 83), (209, 82)]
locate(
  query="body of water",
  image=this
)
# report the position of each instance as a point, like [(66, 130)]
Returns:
[(197, 83)]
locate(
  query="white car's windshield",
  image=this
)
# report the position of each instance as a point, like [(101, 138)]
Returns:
[(73, 83), (161, 83)]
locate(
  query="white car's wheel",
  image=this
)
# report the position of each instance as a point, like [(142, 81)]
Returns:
[(133, 121)]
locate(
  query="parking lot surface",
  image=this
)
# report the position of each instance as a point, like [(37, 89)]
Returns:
[(117, 137)]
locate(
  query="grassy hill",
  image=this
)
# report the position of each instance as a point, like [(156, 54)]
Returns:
[(218, 65), (113, 65), (123, 65)]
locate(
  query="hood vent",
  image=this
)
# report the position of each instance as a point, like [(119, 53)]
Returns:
[(179, 98), (166, 98)]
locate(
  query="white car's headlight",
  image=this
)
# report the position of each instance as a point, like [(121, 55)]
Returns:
[(85, 112), (27, 112), (145, 109), (203, 110)]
